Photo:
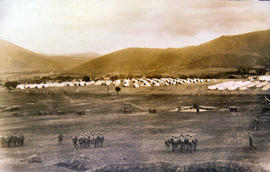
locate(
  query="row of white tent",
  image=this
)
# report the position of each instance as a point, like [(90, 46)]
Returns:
[(140, 82), (241, 85), (154, 82), (55, 84), (264, 78)]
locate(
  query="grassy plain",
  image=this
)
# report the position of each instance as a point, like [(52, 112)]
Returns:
[(139, 136)]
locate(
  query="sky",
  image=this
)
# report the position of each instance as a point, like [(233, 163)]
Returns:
[(103, 26)]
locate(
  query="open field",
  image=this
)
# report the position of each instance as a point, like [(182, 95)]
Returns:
[(139, 136)]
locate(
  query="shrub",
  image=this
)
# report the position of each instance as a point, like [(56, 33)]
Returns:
[(86, 78), (11, 84)]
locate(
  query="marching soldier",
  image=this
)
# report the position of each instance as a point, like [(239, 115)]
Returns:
[(251, 143), (60, 138), (194, 141)]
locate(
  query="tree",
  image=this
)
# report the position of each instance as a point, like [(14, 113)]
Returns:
[(86, 78), (195, 106), (11, 84), (114, 77), (117, 89)]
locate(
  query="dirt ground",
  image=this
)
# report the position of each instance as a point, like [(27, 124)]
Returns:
[(139, 136)]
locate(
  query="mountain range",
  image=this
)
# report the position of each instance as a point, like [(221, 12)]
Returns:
[(226, 53)]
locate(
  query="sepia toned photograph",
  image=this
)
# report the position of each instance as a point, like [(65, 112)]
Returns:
[(134, 85)]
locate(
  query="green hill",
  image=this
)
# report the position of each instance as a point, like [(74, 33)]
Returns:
[(226, 53)]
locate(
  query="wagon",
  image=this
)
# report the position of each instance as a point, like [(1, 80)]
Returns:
[(188, 109), (233, 108)]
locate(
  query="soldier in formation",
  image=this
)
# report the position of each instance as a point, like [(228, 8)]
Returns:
[(13, 139), (127, 108), (181, 141), (152, 110), (88, 140)]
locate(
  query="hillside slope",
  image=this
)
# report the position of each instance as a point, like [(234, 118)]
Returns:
[(245, 50), (15, 59)]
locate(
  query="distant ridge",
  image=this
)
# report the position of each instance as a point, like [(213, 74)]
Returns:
[(226, 52), (17, 59), (69, 61)]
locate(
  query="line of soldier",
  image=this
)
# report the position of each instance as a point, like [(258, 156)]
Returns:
[(181, 142), (12, 139), (88, 140)]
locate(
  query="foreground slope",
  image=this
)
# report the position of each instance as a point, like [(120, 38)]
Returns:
[(245, 50)]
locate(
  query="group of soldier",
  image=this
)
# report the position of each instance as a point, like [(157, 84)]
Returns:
[(127, 108), (152, 110), (12, 139), (88, 140), (84, 140), (181, 141)]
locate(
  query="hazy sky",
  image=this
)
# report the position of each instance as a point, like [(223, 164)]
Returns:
[(102, 26)]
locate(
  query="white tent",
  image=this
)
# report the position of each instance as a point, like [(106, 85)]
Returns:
[(252, 84), (117, 82), (20, 87), (261, 84), (82, 83), (221, 88), (39, 86), (126, 82), (243, 88), (136, 85), (213, 87), (266, 87), (264, 78)]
